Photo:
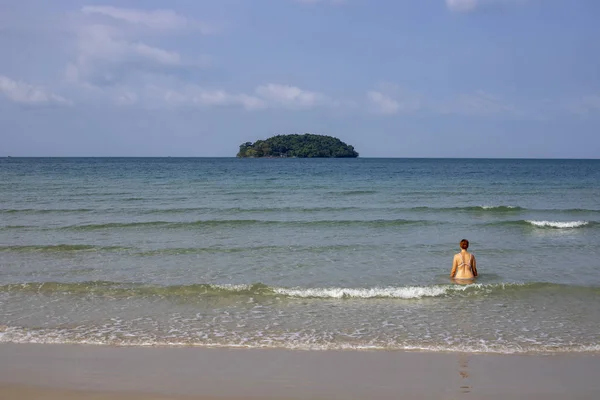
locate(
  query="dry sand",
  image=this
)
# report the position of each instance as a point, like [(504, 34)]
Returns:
[(70, 372)]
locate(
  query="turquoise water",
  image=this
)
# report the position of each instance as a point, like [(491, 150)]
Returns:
[(301, 253)]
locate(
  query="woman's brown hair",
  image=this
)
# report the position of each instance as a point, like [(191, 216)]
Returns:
[(464, 244)]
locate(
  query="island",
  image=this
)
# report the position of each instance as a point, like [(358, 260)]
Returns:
[(299, 146)]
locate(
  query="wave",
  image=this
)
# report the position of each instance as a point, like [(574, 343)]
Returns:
[(200, 250), (548, 224), (239, 210), (558, 224), (59, 248), (331, 223), (291, 209), (109, 335), (68, 248), (246, 222), (499, 208), (354, 192), (45, 211), (507, 209), (419, 292), (495, 208), (119, 289)]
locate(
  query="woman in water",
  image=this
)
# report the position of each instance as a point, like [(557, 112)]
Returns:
[(464, 267)]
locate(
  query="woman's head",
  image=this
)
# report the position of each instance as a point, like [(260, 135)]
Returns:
[(464, 244)]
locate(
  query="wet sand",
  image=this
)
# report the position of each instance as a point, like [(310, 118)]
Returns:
[(73, 372)]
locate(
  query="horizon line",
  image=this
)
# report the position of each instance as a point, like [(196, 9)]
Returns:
[(321, 158)]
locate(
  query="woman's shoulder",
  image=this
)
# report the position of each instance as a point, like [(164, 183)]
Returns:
[(459, 254)]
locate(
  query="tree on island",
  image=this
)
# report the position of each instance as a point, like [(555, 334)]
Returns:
[(301, 146)]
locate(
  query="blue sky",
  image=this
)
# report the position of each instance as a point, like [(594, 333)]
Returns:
[(394, 78)]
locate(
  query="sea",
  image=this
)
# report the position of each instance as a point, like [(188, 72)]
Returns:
[(310, 254)]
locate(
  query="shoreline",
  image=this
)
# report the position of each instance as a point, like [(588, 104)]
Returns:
[(593, 350), (74, 371)]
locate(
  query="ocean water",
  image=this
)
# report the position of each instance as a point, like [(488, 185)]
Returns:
[(301, 253)]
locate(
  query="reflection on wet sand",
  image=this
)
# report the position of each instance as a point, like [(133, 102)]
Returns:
[(463, 370)]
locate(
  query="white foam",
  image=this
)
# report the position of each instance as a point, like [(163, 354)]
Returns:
[(407, 292), (64, 336), (558, 224)]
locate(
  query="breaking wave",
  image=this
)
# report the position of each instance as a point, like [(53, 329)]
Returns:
[(559, 224), (547, 224), (116, 289), (117, 334)]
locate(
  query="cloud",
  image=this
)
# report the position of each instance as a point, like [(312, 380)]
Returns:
[(115, 59), (291, 96), (155, 19), (157, 54), (173, 93), (269, 96), (21, 92), (265, 96), (467, 6), (388, 99), (127, 57), (382, 104), (462, 5), (198, 96), (111, 50), (102, 42)]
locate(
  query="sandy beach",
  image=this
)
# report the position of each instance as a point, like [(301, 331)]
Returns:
[(39, 371)]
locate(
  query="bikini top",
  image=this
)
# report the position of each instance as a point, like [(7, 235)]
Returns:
[(464, 263)]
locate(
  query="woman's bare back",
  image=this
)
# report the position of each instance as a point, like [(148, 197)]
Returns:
[(463, 266)]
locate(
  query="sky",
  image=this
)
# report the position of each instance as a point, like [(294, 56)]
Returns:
[(393, 78)]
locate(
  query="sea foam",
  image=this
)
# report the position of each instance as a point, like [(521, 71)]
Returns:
[(558, 224), (407, 292)]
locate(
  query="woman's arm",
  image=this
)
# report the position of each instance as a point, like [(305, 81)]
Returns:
[(474, 266), (454, 265)]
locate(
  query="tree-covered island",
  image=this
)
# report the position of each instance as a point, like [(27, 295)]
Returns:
[(301, 146)]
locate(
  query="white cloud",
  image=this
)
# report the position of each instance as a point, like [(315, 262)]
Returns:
[(251, 102), (383, 104), (266, 96), (222, 98), (159, 55), (462, 5), (389, 99), (193, 95), (102, 42), (21, 92), (290, 96), (175, 93), (466, 6), (155, 19), (116, 58), (111, 49)]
